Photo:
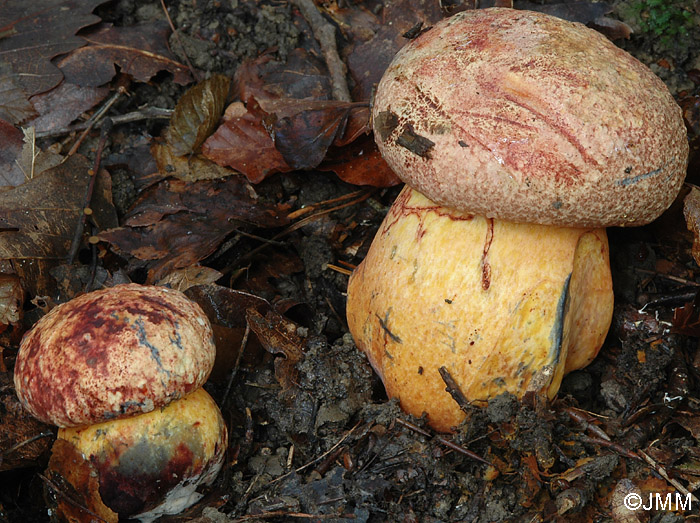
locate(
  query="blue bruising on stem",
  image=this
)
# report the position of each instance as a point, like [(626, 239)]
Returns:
[(556, 336)]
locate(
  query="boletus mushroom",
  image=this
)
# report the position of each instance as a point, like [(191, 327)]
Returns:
[(520, 137), (120, 370)]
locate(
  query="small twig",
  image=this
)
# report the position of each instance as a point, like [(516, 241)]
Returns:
[(284, 513), (585, 423), (667, 276), (662, 472), (446, 442), (341, 270), (75, 244), (454, 389), (142, 114), (325, 35), (176, 34), (244, 342), (319, 458), (94, 119), (619, 449), (21, 444)]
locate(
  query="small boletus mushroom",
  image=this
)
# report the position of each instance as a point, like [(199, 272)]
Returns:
[(151, 465), (113, 353), (520, 136), (120, 370)]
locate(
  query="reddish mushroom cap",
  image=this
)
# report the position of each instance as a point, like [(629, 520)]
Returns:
[(525, 117), (113, 353)]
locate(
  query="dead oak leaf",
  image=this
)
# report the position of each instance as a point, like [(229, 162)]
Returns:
[(140, 51), (36, 32)]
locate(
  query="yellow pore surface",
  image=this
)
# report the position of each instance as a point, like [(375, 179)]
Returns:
[(498, 304)]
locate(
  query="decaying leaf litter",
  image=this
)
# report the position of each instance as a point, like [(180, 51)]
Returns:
[(267, 256)]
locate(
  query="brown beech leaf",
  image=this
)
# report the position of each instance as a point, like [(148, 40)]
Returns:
[(243, 143), (183, 279), (76, 487), (691, 211), (303, 137), (368, 59), (360, 163), (176, 224), (197, 114), (187, 168), (139, 51), (35, 32), (11, 173)]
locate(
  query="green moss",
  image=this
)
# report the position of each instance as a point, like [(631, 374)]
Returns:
[(664, 19)]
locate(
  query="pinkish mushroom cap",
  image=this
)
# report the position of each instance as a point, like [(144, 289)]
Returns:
[(113, 353), (520, 116)]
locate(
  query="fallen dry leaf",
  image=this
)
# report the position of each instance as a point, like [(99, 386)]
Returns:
[(53, 24), (21, 440), (226, 309), (139, 51), (183, 279), (63, 104), (278, 336), (244, 144), (360, 163), (197, 114), (175, 224), (190, 168), (14, 106)]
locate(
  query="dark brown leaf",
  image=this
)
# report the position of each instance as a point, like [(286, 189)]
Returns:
[(243, 143), (226, 309), (197, 114), (23, 439), (139, 51), (14, 106), (302, 76), (11, 174), (38, 218), (583, 11), (63, 104), (176, 224), (360, 163), (278, 335), (50, 23)]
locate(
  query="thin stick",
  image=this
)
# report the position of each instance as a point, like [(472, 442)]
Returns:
[(94, 119), (134, 116), (177, 37), (325, 35), (75, 244)]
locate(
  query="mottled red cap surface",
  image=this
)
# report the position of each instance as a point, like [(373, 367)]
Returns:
[(113, 353), (524, 117)]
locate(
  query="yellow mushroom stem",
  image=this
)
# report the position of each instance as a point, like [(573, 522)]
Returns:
[(498, 304)]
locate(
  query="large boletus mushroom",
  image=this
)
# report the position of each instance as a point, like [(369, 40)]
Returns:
[(120, 370), (522, 136)]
